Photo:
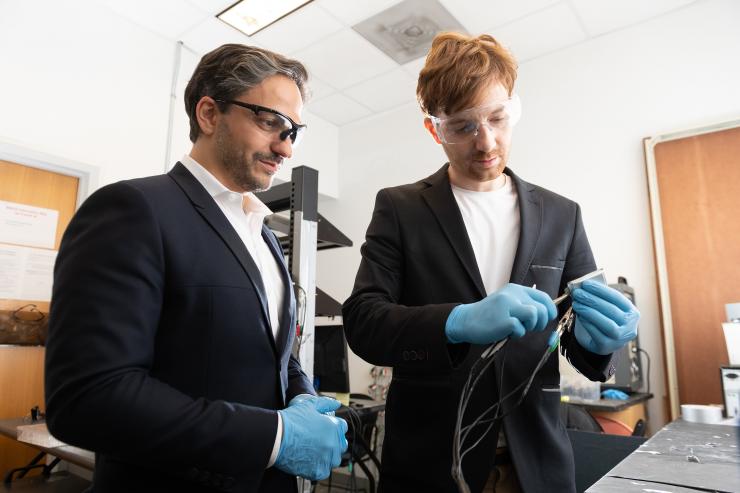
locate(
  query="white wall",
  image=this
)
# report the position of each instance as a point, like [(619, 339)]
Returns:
[(586, 110), (83, 84), (93, 91)]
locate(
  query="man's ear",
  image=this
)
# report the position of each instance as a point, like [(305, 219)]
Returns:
[(430, 127), (207, 114)]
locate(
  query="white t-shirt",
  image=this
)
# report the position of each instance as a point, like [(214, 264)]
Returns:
[(492, 221)]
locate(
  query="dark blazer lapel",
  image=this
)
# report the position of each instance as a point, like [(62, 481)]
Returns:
[(208, 208), (440, 199), (530, 213), (286, 311)]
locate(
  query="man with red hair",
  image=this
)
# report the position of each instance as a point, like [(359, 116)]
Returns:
[(445, 272)]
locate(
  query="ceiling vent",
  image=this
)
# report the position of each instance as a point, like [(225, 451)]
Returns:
[(405, 31)]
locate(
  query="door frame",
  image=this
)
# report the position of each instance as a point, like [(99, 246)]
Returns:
[(87, 174), (664, 300)]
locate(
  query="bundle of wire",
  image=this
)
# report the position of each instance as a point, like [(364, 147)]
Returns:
[(354, 422), (493, 413)]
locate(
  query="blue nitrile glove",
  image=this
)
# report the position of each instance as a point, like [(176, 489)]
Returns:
[(614, 394), (605, 319), (312, 442), (324, 405), (511, 311), (301, 398)]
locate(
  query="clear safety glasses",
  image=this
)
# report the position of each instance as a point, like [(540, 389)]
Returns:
[(464, 126)]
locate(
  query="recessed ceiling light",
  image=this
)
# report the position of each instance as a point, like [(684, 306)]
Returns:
[(250, 16)]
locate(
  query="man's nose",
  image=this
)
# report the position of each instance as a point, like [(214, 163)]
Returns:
[(282, 147), (486, 141)]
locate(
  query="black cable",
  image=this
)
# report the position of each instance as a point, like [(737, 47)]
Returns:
[(356, 420), (301, 339), (526, 383), (498, 406), (354, 423), (300, 315), (478, 369), (301, 300), (640, 350), (461, 433)]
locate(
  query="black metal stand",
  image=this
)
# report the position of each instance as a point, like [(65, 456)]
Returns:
[(34, 464)]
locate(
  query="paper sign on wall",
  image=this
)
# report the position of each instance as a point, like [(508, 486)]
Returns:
[(23, 224), (26, 273)]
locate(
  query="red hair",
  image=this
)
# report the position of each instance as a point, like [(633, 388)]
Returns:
[(458, 67)]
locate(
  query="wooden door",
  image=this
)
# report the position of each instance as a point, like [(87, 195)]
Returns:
[(22, 367), (697, 179)]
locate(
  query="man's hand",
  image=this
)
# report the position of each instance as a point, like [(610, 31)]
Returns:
[(605, 320), (321, 402), (312, 442), (511, 311)]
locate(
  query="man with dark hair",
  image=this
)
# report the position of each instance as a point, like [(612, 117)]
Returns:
[(448, 268), (173, 316)]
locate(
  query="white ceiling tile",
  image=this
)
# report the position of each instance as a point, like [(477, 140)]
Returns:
[(168, 18), (338, 109), (353, 11), (318, 88), (386, 91), (301, 28), (600, 16), (212, 6), (414, 67), (212, 33), (479, 16), (544, 32), (345, 59)]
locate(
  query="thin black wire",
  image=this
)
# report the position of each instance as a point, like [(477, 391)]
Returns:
[(461, 433), (523, 394), (498, 406), (302, 339), (458, 442), (465, 430), (501, 398), (639, 350), (301, 318), (301, 308), (567, 319), (356, 425), (478, 369)]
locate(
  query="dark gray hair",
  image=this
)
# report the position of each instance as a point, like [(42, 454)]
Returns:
[(228, 71)]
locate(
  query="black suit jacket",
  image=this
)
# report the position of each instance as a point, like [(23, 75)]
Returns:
[(417, 264), (160, 355)]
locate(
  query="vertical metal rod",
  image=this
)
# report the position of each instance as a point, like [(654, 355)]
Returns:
[(173, 99), (304, 201)]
